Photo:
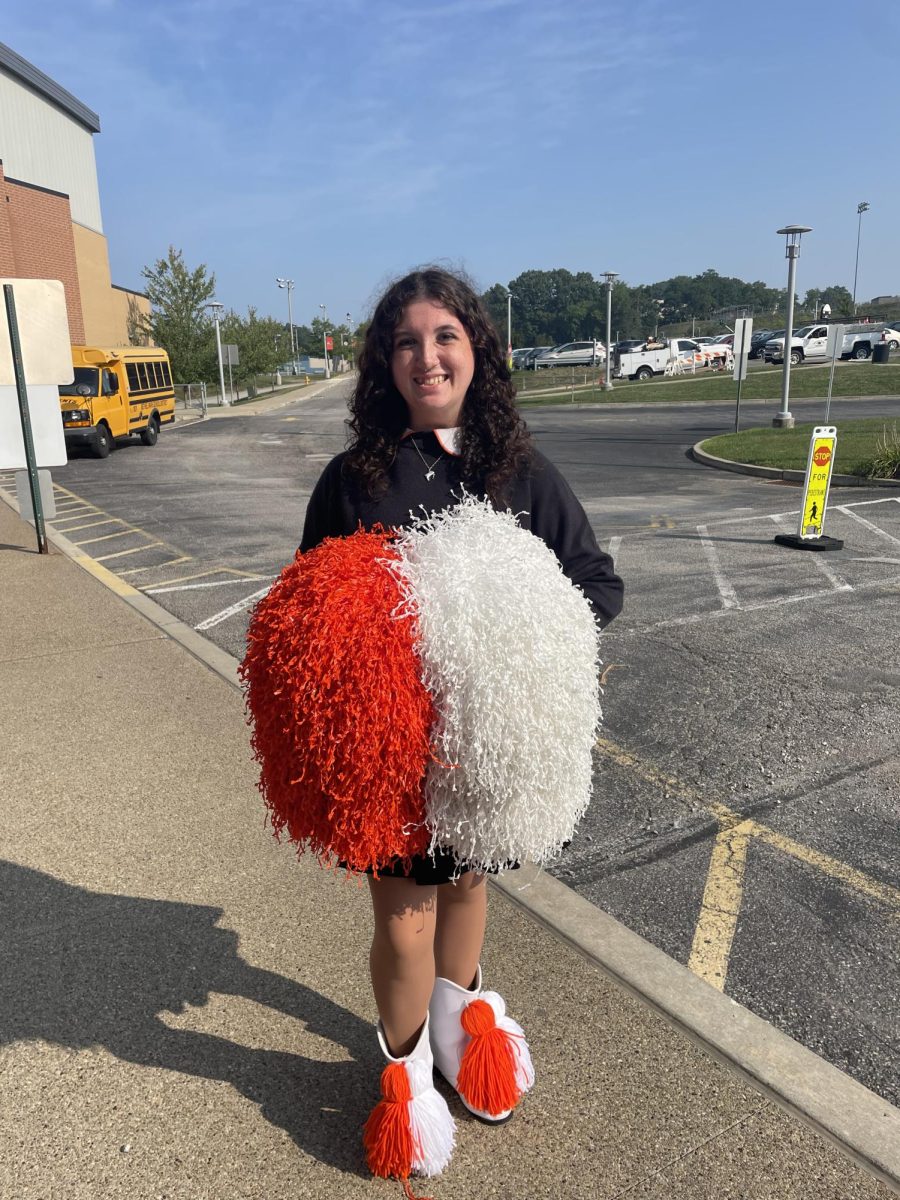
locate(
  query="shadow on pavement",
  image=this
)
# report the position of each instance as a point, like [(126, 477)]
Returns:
[(85, 969)]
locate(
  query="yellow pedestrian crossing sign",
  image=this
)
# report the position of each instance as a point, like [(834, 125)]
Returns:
[(819, 465), (818, 480)]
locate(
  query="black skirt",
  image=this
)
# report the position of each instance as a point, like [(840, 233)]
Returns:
[(428, 870)]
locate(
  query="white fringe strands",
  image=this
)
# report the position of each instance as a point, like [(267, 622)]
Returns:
[(433, 1128), (509, 650)]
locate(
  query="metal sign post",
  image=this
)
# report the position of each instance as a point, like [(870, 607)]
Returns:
[(743, 331), (833, 347), (820, 461), (233, 358), (25, 417)]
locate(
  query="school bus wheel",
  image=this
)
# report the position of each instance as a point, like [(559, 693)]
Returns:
[(150, 435), (103, 441)]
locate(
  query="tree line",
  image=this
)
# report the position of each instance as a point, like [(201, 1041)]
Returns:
[(550, 307)]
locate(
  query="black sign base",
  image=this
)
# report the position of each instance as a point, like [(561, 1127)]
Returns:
[(798, 543)]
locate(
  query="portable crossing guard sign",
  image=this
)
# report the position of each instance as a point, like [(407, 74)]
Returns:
[(819, 465)]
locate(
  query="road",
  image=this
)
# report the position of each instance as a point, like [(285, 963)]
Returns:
[(748, 776)]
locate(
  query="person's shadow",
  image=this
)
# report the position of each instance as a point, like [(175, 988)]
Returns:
[(82, 969)]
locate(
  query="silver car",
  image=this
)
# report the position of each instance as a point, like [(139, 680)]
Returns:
[(572, 354)]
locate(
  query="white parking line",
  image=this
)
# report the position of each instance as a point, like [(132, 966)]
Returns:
[(190, 587), (231, 611), (845, 508), (819, 561), (726, 591), (614, 544)]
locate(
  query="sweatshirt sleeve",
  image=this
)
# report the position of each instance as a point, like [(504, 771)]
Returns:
[(325, 516), (558, 519)]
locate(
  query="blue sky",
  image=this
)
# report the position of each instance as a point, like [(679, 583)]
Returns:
[(343, 141)]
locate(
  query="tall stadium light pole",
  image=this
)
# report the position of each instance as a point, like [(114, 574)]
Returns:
[(792, 235), (217, 315), (609, 276), (325, 341), (349, 321), (289, 284), (862, 207)]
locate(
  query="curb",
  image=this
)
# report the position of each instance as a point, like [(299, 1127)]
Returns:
[(726, 464), (858, 1122)]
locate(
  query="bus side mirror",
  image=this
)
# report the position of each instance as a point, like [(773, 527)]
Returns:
[(113, 384)]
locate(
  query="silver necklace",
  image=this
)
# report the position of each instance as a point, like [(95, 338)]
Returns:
[(429, 470)]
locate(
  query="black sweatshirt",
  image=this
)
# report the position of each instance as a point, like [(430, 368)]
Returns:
[(541, 499)]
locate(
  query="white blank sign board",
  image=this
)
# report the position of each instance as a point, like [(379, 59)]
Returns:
[(46, 428), (47, 361), (43, 332)]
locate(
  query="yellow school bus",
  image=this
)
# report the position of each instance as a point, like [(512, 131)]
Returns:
[(116, 393)]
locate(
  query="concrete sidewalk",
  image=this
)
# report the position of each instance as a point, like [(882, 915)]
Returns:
[(265, 403), (185, 1008)]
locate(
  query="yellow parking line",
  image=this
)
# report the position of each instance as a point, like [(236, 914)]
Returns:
[(105, 537), (170, 562), (90, 524), (160, 583), (721, 905)]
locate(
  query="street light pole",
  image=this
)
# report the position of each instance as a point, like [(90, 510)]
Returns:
[(609, 276), (289, 284), (792, 235), (217, 313), (509, 300), (325, 341), (860, 209)]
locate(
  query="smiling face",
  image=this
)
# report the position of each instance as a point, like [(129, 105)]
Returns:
[(432, 364)]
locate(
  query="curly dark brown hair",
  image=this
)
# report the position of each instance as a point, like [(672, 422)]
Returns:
[(494, 443)]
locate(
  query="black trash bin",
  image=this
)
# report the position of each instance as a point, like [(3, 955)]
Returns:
[(881, 352)]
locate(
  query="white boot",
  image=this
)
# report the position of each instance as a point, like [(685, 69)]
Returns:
[(479, 1050), (410, 1130)]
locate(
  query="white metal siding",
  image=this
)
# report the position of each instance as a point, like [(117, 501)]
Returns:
[(41, 144)]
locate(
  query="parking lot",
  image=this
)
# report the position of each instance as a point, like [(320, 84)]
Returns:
[(748, 774)]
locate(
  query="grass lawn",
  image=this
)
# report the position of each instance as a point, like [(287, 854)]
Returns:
[(787, 449), (762, 383)]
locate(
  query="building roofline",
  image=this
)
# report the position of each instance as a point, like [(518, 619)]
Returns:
[(47, 87)]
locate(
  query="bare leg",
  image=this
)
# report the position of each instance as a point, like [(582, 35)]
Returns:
[(459, 936), (402, 957)]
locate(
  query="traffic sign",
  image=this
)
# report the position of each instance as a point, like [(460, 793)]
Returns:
[(819, 466)]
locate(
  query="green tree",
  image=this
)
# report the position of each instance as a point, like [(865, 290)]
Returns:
[(179, 320)]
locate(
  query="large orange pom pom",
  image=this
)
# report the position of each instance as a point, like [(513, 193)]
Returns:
[(340, 717)]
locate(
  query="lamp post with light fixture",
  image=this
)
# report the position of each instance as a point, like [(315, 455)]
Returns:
[(792, 235), (609, 276), (289, 285), (862, 207), (325, 341), (217, 308)]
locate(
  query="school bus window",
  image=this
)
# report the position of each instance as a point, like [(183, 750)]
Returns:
[(132, 376), (157, 371), (167, 375), (142, 377)]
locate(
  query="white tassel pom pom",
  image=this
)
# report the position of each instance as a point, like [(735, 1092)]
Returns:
[(510, 654), (433, 1127)]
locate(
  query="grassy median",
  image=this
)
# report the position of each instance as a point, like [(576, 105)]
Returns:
[(580, 386), (868, 447)]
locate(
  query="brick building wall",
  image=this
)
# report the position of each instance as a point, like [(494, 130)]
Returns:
[(37, 242)]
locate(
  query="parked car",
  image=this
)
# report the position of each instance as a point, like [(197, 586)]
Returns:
[(572, 354), (703, 341), (724, 339), (535, 352), (758, 341), (892, 337), (519, 356)]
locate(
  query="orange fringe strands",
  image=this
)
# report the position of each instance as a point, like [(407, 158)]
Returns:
[(341, 719), (488, 1073)]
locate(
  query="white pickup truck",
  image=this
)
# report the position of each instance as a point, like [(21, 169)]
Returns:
[(655, 359), (809, 343)]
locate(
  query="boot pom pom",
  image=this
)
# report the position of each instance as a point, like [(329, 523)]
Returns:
[(387, 1136), (490, 1078), (433, 1128)]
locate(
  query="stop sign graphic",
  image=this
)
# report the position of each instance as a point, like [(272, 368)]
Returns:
[(822, 456)]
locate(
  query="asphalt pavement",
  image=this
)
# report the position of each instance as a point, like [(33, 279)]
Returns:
[(185, 1009)]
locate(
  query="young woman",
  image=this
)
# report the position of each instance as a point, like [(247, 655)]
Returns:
[(434, 411)]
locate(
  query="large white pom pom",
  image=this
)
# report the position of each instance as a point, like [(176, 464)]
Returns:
[(432, 1126), (510, 654)]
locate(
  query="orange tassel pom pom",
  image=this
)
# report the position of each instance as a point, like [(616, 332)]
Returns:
[(341, 719), (487, 1071), (387, 1136)]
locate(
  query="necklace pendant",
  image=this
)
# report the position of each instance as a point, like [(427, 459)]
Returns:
[(429, 475)]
